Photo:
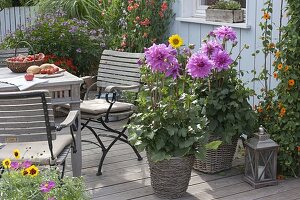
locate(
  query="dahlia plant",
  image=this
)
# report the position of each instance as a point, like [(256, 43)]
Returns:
[(188, 96), (223, 93), (23, 180)]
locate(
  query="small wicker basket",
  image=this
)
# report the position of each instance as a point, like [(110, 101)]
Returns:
[(20, 67), (170, 178), (217, 160)]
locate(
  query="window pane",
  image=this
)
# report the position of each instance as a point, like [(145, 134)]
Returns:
[(211, 2)]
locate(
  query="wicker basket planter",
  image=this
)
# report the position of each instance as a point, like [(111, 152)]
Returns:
[(217, 160), (170, 178)]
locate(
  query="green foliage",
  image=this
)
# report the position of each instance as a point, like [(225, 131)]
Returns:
[(67, 39), (226, 104), (226, 5), (14, 185), (133, 24), (136, 24), (9, 3), (80, 9), (280, 109)]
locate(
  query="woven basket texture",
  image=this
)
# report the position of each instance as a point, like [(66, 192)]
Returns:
[(170, 178), (21, 67), (217, 160)]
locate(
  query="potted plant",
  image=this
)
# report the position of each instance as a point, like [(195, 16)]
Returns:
[(170, 120), (225, 11), (225, 99), (24, 180)]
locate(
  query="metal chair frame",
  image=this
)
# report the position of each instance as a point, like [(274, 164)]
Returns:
[(104, 119)]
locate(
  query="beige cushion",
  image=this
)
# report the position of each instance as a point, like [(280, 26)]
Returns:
[(100, 106), (38, 150)]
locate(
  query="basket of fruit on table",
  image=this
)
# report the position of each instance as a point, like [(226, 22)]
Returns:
[(20, 63)]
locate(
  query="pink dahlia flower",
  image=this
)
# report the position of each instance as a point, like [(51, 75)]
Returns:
[(199, 65)]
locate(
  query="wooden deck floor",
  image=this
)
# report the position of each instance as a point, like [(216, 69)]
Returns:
[(126, 178)]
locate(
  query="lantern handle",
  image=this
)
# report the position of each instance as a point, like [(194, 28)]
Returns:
[(262, 130)]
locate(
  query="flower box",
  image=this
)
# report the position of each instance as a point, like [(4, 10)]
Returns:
[(229, 16)]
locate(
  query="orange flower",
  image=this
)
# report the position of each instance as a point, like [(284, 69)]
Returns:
[(282, 112), (275, 75), (259, 109), (266, 16), (291, 82), (286, 68), (279, 66), (280, 177), (271, 45), (277, 54)]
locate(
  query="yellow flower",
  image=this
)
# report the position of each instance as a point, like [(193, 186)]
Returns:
[(176, 41), (277, 54), (279, 66), (33, 170), (24, 172), (291, 82), (6, 163), (275, 75), (266, 16), (17, 153)]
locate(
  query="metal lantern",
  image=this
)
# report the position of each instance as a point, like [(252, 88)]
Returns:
[(261, 160)]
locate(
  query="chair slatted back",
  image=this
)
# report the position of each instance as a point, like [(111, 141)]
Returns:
[(26, 117), (119, 69), (7, 53)]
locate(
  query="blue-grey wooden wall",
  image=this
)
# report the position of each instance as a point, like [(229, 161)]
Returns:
[(194, 32)]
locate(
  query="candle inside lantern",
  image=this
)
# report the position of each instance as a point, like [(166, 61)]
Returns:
[(261, 173)]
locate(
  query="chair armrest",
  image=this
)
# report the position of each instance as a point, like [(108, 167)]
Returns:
[(118, 88), (86, 96), (70, 120)]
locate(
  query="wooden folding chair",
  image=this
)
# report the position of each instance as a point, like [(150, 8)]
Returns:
[(27, 124), (118, 72)]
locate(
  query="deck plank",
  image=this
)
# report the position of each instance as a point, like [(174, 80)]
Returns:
[(126, 178)]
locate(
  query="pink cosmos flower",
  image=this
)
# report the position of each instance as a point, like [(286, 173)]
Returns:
[(46, 187), (14, 165), (26, 164), (199, 65)]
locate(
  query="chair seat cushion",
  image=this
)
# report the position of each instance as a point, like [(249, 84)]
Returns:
[(37, 152), (100, 106)]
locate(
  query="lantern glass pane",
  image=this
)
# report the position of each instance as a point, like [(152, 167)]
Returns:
[(250, 163), (265, 166)]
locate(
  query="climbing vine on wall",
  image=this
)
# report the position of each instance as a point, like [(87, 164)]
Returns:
[(280, 110)]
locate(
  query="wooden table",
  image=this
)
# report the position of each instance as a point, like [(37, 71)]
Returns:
[(63, 89)]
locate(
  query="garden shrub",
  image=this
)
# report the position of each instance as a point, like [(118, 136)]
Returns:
[(137, 24), (70, 43), (280, 110)]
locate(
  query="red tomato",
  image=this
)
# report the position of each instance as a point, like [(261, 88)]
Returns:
[(29, 77), (50, 71), (56, 69)]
